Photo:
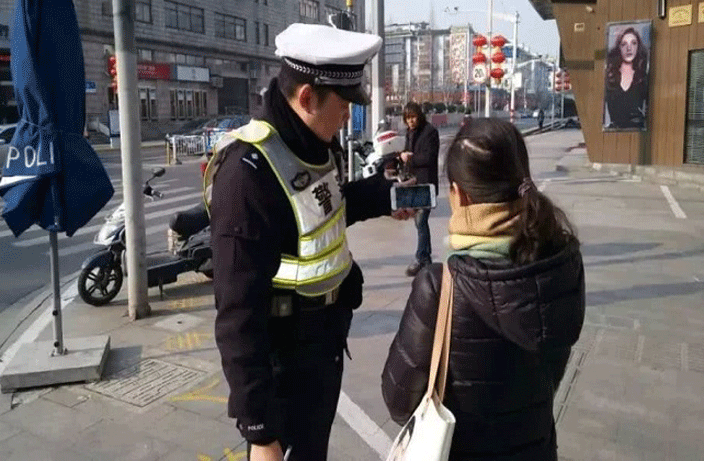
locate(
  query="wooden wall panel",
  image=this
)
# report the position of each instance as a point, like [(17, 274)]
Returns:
[(663, 142)]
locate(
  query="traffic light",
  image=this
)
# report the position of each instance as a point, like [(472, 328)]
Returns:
[(112, 71)]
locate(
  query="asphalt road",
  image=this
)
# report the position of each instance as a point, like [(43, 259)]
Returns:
[(25, 267)]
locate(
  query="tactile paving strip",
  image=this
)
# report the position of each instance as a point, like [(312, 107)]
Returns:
[(146, 382)]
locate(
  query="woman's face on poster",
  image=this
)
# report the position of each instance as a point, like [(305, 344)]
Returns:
[(628, 47)]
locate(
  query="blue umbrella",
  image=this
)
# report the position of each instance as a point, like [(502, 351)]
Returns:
[(52, 176)]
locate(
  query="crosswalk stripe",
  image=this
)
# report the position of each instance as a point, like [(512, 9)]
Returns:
[(75, 249), (44, 239), (112, 204)]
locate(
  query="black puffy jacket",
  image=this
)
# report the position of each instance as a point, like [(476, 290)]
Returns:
[(512, 330)]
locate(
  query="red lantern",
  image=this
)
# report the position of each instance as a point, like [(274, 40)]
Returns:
[(112, 71), (479, 40), (478, 58), (498, 57), (498, 40), (497, 73)]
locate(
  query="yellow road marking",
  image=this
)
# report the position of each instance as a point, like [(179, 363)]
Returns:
[(234, 456), (200, 394), (240, 455), (187, 341)]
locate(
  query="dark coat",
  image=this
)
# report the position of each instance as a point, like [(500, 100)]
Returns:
[(424, 142), (252, 225), (512, 330)]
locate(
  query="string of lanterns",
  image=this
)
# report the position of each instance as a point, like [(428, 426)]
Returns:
[(482, 64)]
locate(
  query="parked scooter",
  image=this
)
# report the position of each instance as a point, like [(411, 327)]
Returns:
[(102, 274), (383, 155)]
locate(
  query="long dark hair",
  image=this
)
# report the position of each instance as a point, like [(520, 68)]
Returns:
[(614, 61), (488, 160)]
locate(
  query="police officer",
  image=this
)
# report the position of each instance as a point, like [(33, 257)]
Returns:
[(284, 279)]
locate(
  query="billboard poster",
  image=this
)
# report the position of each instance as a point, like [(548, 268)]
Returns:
[(626, 77), (458, 56)]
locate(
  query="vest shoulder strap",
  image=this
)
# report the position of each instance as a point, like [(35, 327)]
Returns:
[(255, 132)]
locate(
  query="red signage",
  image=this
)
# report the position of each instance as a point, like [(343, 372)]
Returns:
[(4, 58), (153, 71)]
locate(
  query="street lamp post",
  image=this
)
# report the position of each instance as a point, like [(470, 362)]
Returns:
[(490, 24), (490, 15)]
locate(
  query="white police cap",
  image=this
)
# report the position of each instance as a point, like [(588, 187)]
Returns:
[(333, 57)]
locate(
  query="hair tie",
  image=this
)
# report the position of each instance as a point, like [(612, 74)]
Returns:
[(526, 185)]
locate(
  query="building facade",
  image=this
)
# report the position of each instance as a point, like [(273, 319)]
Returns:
[(669, 130), (196, 59), (433, 65), (418, 68)]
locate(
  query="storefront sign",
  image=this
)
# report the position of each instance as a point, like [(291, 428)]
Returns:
[(153, 71), (701, 11), (193, 74), (680, 16), (90, 87)]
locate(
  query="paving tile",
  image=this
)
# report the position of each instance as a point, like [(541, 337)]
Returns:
[(120, 442), (196, 432), (27, 447), (51, 421)]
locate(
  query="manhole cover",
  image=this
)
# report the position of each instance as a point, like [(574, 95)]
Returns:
[(146, 382)]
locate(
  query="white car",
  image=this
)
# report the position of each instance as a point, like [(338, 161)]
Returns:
[(6, 133)]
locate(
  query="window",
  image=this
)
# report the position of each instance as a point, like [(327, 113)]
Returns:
[(266, 34), (231, 27), (181, 104), (184, 17), (143, 11), (189, 104), (147, 104), (145, 55), (256, 33), (174, 106), (309, 9)]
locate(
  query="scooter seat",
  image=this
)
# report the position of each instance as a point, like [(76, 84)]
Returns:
[(190, 222)]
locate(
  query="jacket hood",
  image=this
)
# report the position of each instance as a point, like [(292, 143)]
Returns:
[(538, 305)]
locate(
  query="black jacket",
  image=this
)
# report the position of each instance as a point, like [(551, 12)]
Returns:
[(252, 224), (424, 142), (512, 329)]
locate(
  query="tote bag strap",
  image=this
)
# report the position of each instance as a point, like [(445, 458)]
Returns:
[(441, 341)]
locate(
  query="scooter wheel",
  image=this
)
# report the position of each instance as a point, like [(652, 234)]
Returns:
[(99, 285)]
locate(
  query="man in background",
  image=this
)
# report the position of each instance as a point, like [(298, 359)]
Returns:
[(421, 156)]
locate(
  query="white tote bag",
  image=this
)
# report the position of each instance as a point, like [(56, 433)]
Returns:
[(427, 436)]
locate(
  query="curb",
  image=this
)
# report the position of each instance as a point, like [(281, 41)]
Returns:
[(107, 148), (681, 177)]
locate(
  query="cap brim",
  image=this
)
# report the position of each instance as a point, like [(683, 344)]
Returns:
[(354, 94)]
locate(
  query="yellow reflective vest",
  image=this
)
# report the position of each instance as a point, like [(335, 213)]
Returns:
[(323, 260)]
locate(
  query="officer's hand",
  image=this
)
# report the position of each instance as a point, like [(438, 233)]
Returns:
[(271, 452), (405, 156), (403, 214)]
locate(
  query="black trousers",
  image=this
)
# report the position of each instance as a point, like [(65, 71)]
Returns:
[(307, 380)]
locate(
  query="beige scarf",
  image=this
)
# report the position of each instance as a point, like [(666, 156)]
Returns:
[(485, 224)]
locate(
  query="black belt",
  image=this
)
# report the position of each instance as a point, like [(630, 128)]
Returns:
[(283, 305)]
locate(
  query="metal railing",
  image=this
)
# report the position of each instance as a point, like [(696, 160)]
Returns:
[(179, 146)]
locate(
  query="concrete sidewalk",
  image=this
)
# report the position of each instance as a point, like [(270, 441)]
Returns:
[(634, 388)]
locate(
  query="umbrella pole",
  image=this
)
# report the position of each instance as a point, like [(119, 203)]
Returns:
[(56, 283)]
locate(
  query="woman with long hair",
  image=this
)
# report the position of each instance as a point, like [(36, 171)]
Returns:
[(627, 81), (518, 308)]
